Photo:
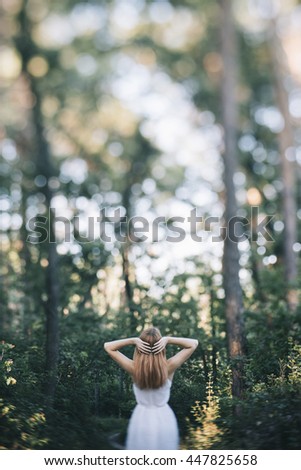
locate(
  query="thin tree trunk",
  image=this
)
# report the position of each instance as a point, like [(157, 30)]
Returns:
[(126, 273), (233, 291), (128, 285), (125, 250), (288, 171), (259, 292), (44, 167), (213, 336)]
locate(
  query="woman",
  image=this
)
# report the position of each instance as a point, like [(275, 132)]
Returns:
[(153, 424)]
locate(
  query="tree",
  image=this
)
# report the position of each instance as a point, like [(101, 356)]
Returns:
[(288, 170), (233, 291), (44, 166)]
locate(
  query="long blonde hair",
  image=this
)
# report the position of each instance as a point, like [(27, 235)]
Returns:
[(150, 370)]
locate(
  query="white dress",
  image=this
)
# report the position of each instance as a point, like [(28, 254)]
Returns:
[(153, 424)]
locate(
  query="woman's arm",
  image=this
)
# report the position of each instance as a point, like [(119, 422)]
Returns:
[(189, 345), (112, 348)]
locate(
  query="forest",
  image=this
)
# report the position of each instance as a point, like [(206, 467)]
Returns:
[(150, 164)]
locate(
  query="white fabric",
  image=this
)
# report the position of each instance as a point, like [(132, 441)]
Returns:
[(153, 424)]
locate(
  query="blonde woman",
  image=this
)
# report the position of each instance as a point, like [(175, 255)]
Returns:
[(153, 424)]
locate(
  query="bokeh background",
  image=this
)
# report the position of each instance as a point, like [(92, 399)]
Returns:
[(133, 105)]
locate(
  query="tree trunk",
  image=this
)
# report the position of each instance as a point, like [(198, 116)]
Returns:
[(259, 292), (213, 336), (27, 49), (125, 250), (288, 171), (233, 291), (126, 272)]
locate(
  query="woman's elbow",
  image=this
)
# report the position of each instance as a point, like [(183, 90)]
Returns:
[(106, 346), (195, 343)]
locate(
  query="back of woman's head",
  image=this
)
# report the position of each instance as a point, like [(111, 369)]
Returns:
[(150, 370)]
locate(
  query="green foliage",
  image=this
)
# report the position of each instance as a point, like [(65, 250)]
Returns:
[(94, 398), (22, 422), (204, 433), (270, 415), (21, 428)]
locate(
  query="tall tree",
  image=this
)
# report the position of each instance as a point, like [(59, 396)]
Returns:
[(288, 168), (44, 166), (233, 290)]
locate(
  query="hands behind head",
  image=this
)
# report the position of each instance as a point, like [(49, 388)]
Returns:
[(143, 346), (160, 345), (146, 348)]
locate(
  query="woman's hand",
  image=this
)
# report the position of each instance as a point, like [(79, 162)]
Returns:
[(160, 345), (143, 346)]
